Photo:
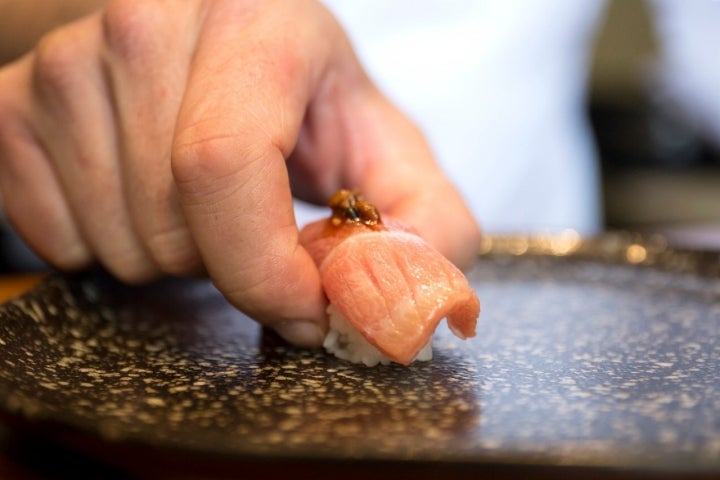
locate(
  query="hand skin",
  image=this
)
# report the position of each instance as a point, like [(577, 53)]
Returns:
[(159, 139)]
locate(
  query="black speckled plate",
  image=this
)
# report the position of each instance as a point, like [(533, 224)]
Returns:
[(597, 354)]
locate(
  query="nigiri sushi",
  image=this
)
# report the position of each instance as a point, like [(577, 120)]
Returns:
[(387, 288)]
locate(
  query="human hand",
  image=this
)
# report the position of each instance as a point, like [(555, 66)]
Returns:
[(165, 138)]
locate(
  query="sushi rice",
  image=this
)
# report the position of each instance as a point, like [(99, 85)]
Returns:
[(346, 343)]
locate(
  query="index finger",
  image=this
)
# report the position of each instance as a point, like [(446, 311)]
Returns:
[(243, 107)]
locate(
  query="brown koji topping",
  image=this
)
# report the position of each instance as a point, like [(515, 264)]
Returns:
[(348, 206)]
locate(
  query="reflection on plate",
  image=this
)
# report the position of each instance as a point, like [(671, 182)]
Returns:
[(601, 352)]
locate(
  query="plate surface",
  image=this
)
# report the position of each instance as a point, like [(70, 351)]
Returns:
[(594, 353)]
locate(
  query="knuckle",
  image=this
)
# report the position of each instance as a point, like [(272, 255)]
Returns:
[(174, 252), (292, 64), (57, 61), (128, 27), (43, 231), (200, 153), (131, 266), (192, 150), (68, 258), (65, 252)]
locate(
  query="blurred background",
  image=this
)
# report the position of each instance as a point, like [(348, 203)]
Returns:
[(660, 174)]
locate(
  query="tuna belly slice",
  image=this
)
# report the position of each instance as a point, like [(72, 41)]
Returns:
[(394, 289)]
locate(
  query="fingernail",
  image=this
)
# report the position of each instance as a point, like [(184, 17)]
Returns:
[(301, 333)]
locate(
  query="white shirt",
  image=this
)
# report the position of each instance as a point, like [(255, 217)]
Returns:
[(498, 88)]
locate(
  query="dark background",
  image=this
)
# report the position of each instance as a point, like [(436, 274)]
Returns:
[(659, 173)]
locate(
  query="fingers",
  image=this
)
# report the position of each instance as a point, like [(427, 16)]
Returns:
[(76, 123), (354, 138), (396, 169), (100, 136), (32, 197), (101, 124), (147, 54), (241, 115)]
